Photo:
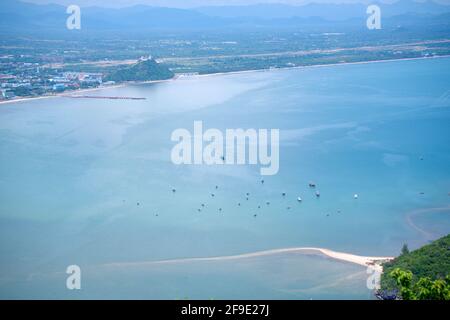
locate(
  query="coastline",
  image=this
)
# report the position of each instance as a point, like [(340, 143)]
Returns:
[(80, 91), (320, 66), (124, 84), (62, 94)]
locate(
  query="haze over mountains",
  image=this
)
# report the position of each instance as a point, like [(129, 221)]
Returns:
[(20, 16), (327, 11), (188, 4)]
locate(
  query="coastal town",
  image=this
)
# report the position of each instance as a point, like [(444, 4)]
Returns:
[(32, 80)]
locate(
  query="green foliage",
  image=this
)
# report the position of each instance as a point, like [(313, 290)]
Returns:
[(142, 71), (423, 289), (405, 249), (427, 265), (403, 280)]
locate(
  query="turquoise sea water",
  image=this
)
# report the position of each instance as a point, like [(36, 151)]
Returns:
[(73, 171)]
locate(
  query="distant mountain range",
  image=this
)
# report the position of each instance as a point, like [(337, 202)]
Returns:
[(20, 16), (326, 11)]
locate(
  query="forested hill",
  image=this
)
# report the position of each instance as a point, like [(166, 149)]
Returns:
[(432, 261), (142, 71)]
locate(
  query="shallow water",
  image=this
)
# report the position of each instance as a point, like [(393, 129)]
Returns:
[(72, 172)]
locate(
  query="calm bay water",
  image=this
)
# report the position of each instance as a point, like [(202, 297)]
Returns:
[(88, 182)]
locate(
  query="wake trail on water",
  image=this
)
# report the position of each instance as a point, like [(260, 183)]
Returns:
[(410, 220)]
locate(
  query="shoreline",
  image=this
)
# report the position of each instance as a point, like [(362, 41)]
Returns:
[(124, 84), (365, 261), (319, 66), (68, 94)]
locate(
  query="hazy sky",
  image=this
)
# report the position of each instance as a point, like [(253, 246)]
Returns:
[(197, 3)]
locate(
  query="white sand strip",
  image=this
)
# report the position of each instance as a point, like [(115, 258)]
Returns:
[(347, 257)]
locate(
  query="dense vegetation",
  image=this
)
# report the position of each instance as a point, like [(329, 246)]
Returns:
[(423, 289), (142, 71), (418, 269)]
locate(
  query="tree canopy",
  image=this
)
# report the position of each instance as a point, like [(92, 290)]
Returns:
[(420, 274), (142, 71)]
